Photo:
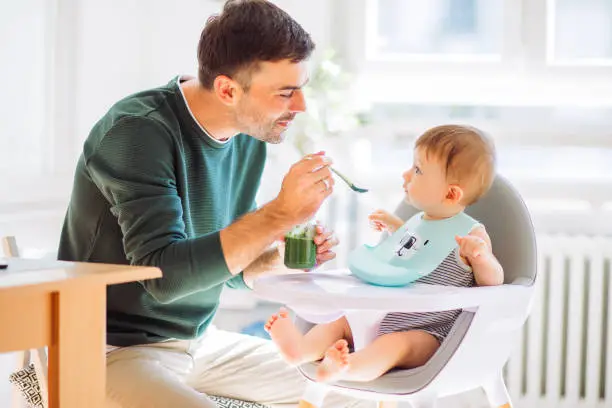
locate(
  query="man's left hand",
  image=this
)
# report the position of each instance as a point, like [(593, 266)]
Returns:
[(325, 241)]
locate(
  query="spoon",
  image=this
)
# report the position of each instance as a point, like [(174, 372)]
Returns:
[(349, 182)]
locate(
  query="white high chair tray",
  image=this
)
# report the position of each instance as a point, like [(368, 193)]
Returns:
[(336, 290)]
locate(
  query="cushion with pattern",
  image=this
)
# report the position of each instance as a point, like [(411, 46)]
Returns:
[(27, 382)]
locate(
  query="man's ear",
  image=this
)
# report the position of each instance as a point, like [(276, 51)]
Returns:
[(454, 194), (227, 90)]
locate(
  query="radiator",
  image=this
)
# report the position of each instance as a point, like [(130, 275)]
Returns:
[(564, 358)]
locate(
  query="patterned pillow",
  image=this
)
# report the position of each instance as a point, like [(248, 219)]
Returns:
[(27, 382), (224, 402)]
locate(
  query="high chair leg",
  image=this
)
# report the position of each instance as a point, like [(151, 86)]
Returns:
[(424, 401), (388, 404), (313, 396), (497, 393)]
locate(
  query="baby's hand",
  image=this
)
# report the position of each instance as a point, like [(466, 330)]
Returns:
[(472, 247), (382, 220)]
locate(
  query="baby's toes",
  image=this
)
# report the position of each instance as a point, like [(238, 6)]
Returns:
[(270, 322)]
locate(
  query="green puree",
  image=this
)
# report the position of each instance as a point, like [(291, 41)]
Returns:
[(300, 249)]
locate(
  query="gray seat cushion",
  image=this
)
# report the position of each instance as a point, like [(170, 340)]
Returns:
[(405, 382)]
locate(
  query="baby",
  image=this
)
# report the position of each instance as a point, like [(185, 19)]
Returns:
[(453, 167)]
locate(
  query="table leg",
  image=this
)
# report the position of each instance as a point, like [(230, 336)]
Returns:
[(77, 364)]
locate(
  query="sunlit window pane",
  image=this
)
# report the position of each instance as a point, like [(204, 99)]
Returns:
[(582, 30), (470, 27)]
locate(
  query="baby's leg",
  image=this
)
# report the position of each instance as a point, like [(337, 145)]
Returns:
[(297, 348), (408, 349)]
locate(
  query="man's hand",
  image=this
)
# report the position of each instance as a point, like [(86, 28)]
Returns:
[(271, 261), (307, 184), (325, 241), (382, 220), (305, 187)]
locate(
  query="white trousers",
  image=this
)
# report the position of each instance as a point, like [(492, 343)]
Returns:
[(182, 373)]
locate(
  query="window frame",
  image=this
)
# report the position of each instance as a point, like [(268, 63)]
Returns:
[(522, 76)]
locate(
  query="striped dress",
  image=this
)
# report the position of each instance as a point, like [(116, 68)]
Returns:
[(451, 272)]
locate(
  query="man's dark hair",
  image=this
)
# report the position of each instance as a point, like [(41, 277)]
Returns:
[(245, 33)]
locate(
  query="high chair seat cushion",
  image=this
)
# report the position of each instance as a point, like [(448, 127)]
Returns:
[(405, 382)]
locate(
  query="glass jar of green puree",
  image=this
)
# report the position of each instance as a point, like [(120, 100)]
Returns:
[(300, 248)]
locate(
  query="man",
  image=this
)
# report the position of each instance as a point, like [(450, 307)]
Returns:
[(168, 178)]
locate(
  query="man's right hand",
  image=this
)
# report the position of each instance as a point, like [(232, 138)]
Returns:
[(307, 184)]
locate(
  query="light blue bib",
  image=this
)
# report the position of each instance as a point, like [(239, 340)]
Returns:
[(411, 252)]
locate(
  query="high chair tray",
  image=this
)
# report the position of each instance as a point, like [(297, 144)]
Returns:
[(337, 290)]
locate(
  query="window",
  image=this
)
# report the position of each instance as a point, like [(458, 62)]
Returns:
[(581, 32), (534, 53), (468, 28)]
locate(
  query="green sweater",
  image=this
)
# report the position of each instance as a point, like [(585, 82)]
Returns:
[(152, 188)]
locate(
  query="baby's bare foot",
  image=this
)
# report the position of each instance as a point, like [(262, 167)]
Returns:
[(335, 362), (286, 336)]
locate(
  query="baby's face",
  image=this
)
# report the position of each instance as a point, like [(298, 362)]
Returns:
[(425, 183)]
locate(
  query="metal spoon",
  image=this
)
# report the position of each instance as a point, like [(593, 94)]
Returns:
[(349, 182)]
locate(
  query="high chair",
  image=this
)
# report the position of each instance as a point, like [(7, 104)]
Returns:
[(479, 344)]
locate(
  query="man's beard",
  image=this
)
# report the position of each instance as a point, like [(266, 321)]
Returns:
[(272, 132)]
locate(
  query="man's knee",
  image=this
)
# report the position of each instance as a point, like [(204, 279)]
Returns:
[(143, 378)]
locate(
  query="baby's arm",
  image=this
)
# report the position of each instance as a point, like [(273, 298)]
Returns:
[(476, 249)]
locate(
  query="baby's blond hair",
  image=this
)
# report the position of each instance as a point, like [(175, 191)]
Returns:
[(467, 155)]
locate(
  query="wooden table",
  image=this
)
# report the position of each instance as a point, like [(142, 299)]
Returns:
[(63, 305)]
